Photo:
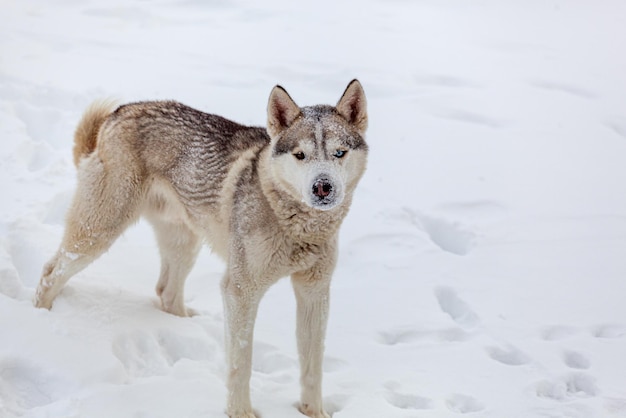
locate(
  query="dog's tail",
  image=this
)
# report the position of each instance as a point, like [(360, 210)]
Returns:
[(86, 135)]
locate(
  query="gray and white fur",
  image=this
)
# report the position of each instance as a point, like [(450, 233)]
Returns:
[(268, 201)]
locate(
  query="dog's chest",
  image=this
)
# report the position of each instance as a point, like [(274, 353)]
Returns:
[(279, 256), (303, 255)]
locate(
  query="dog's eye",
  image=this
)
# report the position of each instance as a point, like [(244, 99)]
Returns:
[(340, 153), (299, 155)]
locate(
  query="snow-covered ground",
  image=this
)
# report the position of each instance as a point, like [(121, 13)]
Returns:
[(482, 269)]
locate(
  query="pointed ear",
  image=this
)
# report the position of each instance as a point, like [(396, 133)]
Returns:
[(353, 106), (281, 111)]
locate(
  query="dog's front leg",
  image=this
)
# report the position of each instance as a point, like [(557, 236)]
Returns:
[(241, 300), (312, 296)]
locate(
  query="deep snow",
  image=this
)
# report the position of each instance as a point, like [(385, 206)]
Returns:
[(482, 268)]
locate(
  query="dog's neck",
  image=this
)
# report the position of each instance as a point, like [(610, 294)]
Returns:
[(306, 224)]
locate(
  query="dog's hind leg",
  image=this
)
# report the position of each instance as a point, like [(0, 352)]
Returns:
[(104, 206), (179, 247)]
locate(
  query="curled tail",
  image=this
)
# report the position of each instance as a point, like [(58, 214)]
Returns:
[(86, 135)]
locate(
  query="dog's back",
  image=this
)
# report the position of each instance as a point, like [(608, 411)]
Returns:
[(166, 140)]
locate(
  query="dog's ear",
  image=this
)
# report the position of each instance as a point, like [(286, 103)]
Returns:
[(281, 111), (353, 106)]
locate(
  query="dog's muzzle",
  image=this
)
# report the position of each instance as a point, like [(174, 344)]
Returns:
[(322, 188), (325, 193)]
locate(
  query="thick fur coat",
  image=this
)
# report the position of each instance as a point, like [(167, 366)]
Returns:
[(268, 201)]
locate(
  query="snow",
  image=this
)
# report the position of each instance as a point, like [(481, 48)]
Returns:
[(482, 266)]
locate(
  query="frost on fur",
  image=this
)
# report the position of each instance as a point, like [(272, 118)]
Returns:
[(270, 205)]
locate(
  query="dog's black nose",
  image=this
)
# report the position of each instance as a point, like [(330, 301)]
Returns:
[(322, 188)]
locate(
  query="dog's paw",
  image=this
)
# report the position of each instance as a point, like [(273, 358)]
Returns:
[(240, 412), (40, 301), (243, 415), (309, 411), (41, 305)]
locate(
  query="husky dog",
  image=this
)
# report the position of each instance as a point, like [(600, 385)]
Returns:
[(268, 201)]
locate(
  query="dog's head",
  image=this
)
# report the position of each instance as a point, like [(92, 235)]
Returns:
[(319, 152)]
